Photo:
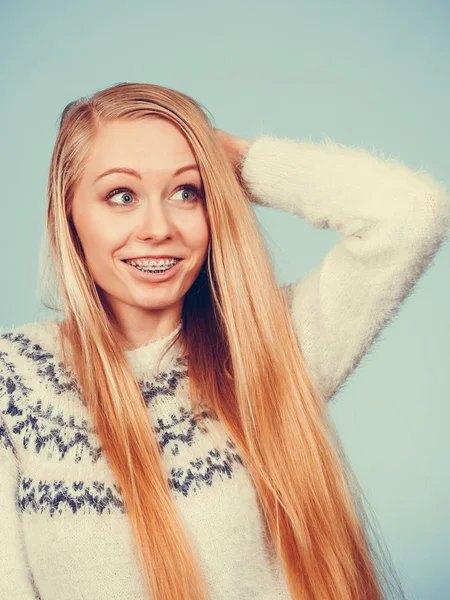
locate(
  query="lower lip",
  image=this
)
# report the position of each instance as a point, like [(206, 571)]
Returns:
[(154, 276)]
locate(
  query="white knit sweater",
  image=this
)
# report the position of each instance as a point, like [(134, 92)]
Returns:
[(64, 532)]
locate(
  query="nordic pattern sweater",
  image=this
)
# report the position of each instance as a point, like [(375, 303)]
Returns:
[(64, 532)]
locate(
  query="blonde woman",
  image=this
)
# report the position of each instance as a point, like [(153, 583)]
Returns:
[(168, 438)]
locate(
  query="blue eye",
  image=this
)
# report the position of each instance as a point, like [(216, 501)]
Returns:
[(127, 194), (126, 191), (193, 190)]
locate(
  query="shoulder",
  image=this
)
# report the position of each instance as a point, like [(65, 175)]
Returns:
[(24, 346), (18, 338)]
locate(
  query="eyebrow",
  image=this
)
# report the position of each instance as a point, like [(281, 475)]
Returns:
[(136, 174)]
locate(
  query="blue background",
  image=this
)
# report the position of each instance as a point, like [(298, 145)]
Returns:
[(374, 75)]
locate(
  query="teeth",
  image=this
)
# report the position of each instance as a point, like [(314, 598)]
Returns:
[(162, 262)]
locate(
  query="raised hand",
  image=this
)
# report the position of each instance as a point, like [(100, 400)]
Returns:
[(235, 147)]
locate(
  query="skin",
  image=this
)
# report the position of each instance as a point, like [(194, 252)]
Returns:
[(151, 217)]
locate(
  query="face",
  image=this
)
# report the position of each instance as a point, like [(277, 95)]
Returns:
[(152, 210)]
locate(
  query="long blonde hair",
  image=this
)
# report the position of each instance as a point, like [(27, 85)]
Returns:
[(248, 369)]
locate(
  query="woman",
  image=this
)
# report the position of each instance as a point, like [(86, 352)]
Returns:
[(179, 418)]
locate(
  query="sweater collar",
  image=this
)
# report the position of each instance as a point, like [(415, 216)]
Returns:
[(143, 360), (146, 357)]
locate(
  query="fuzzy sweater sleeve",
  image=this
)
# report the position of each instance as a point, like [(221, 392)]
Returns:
[(15, 581), (392, 221)]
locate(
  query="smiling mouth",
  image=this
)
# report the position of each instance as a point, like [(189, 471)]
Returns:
[(148, 269)]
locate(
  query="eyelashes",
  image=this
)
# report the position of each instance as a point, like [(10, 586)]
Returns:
[(198, 194)]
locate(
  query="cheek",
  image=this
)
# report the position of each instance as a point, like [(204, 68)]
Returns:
[(200, 238), (99, 236), (196, 232)]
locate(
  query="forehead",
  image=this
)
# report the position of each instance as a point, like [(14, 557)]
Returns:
[(150, 144)]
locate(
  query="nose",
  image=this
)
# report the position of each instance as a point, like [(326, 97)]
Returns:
[(154, 222)]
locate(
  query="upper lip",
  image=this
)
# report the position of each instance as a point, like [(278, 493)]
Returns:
[(154, 257)]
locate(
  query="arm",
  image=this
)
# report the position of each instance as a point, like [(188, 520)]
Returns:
[(14, 571), (392, 220)]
